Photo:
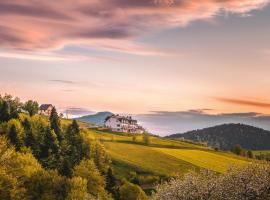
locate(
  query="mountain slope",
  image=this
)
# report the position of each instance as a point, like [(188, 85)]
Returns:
[(97, 118), (226, 136)]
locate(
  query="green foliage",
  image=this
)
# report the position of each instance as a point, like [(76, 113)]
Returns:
[(55, 123), (9, 108), (46, 185), (15, 133), (146, 139), (78, 189), (111, 184), (238, 150), (95, 182), (31, 107), (250, 154), (227, 136), (129, 191)]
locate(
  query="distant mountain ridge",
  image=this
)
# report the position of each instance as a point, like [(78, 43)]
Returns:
[(97, 118), (226, 136)]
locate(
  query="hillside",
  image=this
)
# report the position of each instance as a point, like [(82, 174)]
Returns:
[(226, 136), (163, 157), (97, 118)]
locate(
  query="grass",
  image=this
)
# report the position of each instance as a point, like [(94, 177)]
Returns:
[(164, 157), (204, 159), (261, 152), (147, 159)]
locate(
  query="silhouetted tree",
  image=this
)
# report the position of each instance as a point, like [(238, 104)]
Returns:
[(55, 123)]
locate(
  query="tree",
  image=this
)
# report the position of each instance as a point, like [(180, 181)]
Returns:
[(238, 150), (78, 189), (55, 123), (15, 133), (100, 156), (251, 182), (75, 143), (95, 182), (9, 108), (146, 139), (129, 191), (250, 154), (50, 150), (46, 185), (29, 137), (31, 107), (111, 183)]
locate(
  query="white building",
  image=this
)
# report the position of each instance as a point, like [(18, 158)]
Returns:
[(119, 123)]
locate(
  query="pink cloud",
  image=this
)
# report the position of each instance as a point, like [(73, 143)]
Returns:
[(108, 24)]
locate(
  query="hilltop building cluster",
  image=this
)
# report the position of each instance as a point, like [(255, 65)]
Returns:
[(123, 124)]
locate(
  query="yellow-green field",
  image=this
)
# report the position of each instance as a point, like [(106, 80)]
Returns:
[(163, 157), (147, 159), (261, 152), (204, 159)]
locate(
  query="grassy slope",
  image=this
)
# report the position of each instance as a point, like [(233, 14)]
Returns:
[(204, 159), (261, 152), (163, 157)]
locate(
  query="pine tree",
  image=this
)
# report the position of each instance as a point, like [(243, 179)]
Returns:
[(111, 183), (55, 123), (13, 135), (75, 143), (29, 137)]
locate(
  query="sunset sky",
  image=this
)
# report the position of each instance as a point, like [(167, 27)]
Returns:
[(173, 59)]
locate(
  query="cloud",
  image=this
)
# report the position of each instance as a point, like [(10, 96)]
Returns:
[(244, 102), (49, 25), (63, 81), (75, 111), (167, 122)]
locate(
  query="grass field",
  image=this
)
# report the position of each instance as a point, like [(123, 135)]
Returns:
[(163, 157), (204, 159), (261, 152), (147, 159)]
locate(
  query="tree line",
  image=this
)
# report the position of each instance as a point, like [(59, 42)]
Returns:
[(43, 158)]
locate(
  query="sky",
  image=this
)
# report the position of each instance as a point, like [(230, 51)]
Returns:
[(176, 65)]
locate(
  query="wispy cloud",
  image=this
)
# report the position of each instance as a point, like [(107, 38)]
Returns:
[(76, 111), (243, 102), (63, 81), (50, 25)]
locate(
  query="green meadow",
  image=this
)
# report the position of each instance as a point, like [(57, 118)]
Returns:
[(162, 157)]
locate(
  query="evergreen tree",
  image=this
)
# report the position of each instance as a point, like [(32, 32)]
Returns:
[(15, 133), (13, 136), (111, 183), (29, 139), (55, 123), (4, 111), (51, 143), (50, 150)]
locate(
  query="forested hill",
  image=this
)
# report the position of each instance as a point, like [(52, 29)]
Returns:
[(97, 118), (226, 136)]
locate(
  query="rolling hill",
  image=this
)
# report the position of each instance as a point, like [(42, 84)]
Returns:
[(97, 118), (226, 136), (163, 157)]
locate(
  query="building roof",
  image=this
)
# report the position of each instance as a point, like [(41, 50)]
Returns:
[(120, 118), (44, 106)]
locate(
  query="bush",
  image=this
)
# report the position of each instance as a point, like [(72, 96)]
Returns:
[(129, 191)]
